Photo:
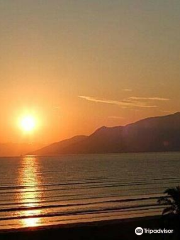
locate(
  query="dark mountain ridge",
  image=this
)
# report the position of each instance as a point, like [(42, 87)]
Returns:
[(155, 134), (56, 148)]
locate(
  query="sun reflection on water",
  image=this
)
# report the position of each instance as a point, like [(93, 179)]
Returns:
[(30, 194)]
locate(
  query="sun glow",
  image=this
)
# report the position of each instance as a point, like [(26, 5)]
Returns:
[(28, 123)]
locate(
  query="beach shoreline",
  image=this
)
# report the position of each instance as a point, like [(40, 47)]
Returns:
[(105, 230)]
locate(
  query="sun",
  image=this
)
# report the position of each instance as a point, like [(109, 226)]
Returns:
[(28, 123)]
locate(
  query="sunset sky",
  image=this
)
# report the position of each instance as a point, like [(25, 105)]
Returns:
[(76, 65)]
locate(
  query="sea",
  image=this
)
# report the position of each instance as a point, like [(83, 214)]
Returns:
[(42, 191)]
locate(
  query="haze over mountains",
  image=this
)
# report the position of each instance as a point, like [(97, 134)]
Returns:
[(17, 149), (154, 134)]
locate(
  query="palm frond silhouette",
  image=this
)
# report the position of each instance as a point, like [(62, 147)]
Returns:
[(172, 200)]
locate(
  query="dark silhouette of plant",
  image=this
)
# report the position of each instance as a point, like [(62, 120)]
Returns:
[(172, 200), (171, 212)]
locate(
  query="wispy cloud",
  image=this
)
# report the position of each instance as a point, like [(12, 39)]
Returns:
[(127, 90), (149, 98), (123, 103), (116, 117), (57, 107), (166, 111)]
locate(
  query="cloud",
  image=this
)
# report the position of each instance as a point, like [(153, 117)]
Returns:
[(116, 117), (128, 103), (149, 98), (166, 111), (127, 90)]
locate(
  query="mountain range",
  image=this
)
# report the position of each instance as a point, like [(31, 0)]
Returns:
[(155, 134)]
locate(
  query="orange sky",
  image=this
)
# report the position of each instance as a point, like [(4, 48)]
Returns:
[(78, 65)]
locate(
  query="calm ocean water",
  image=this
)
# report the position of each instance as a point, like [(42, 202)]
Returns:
[(38, 191)]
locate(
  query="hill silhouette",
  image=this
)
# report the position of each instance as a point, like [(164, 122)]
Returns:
[(57, 148), (154, 134)]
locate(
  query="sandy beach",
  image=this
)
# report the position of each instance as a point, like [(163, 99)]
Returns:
[(103, 230)]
